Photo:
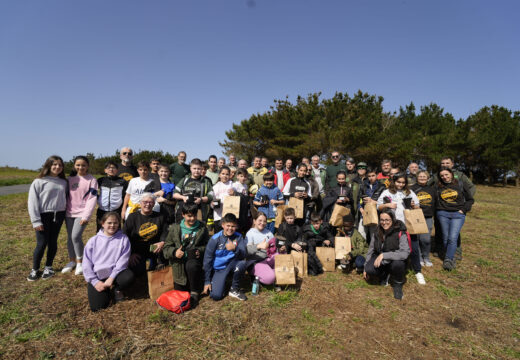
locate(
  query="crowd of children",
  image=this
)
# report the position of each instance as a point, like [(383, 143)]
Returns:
[(182, 222)]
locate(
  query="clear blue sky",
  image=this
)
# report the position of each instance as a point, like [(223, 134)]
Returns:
[(92, 76)]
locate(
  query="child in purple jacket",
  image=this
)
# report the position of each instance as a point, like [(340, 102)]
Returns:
[(105, 263)]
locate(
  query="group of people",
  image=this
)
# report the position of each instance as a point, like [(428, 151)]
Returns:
[(173, 214)]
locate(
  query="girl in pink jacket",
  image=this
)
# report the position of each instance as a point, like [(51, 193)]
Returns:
[(83, 190)]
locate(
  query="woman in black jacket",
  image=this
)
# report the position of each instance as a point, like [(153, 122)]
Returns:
[(388, 251), (454, 200)]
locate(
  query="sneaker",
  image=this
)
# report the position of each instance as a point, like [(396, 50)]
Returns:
[(420, 278), (427, 263), (118, 296), (398, 291), (68, 268), (79, 269), (448, 264), (47, 273), (34, 275), (422, 262), (237, 294)]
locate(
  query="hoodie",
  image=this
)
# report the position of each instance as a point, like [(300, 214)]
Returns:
[(47, 194), (105, 256)]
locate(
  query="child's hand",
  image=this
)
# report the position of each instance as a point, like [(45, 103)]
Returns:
[(362, 211), (296, 247), (160, 199), (366, 200), (273, 201), (179, 253), (230, 246), (207, 289), (197, 200), (262, 246), (100, 286), (39, 228), (391, 205), (83, 222), (365, 276), (378, 261), (326, 242), (231, 192)]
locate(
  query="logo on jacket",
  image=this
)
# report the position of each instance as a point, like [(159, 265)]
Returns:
[(424, 198), (148, 230), (449, 195)]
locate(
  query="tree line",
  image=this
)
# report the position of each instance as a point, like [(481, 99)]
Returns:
[(486, 145)]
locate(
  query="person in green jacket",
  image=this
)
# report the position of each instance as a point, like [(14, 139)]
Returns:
[(179, 169), (356, 257), (332, 170), (184, 249)]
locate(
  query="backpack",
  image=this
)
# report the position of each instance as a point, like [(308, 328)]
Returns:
[(408, 237), (175, 300)]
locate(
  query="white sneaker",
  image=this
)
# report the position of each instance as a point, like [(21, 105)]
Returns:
[(422, 263), (428, 263), (79, 269), (420, 278), (68, 268)]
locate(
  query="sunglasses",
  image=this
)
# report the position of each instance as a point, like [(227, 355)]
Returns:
[(128, 153), (335, 156), (362, 167)]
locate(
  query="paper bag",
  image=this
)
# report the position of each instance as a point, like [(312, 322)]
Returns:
[(284, 270), (300, 263), (336, 219), (160, 281), (279, 215), (231, 206), (327, 257), (297, 205), (415, 221), (342, 247), (370, 217)]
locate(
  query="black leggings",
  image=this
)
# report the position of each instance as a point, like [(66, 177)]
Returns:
[(100, 300), (48, 238), (396, 268)]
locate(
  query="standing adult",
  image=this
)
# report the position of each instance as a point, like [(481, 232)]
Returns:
[(179, 169), (126, 169), (447, 162), (351, 169), (332, 170), (212, 172), (319, 173), (454, 200), (265, 163), (289, 167), (257, 171), (233, 160), (281, 175), (413, 169), (221, 162), (386, 166)]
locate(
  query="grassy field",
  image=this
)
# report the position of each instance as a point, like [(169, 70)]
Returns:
[(14, 176), (470, 313)]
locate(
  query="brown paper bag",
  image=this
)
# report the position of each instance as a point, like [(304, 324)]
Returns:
[(342, 247), (160, 281), (327, 257), (370, 217), (297, 205), (336, 219), (415, 221), (284, 269), (231, 205), (300, 263), (279, 215)]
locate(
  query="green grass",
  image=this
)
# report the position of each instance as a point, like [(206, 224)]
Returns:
[(283, 299), (449, 292), (14, 176), (504, 304)]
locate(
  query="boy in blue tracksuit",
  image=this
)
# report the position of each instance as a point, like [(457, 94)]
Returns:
[(225, 254), (267, 198)]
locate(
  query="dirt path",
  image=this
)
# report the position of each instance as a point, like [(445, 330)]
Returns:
[(14, 189)]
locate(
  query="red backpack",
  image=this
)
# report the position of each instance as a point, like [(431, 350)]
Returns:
[(408, 237), (175, 300)]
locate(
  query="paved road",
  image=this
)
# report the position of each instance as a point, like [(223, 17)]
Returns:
[(14, 189)]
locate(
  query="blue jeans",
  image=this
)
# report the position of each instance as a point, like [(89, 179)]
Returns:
[(425, 240), (451, 224), (218, 281)]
